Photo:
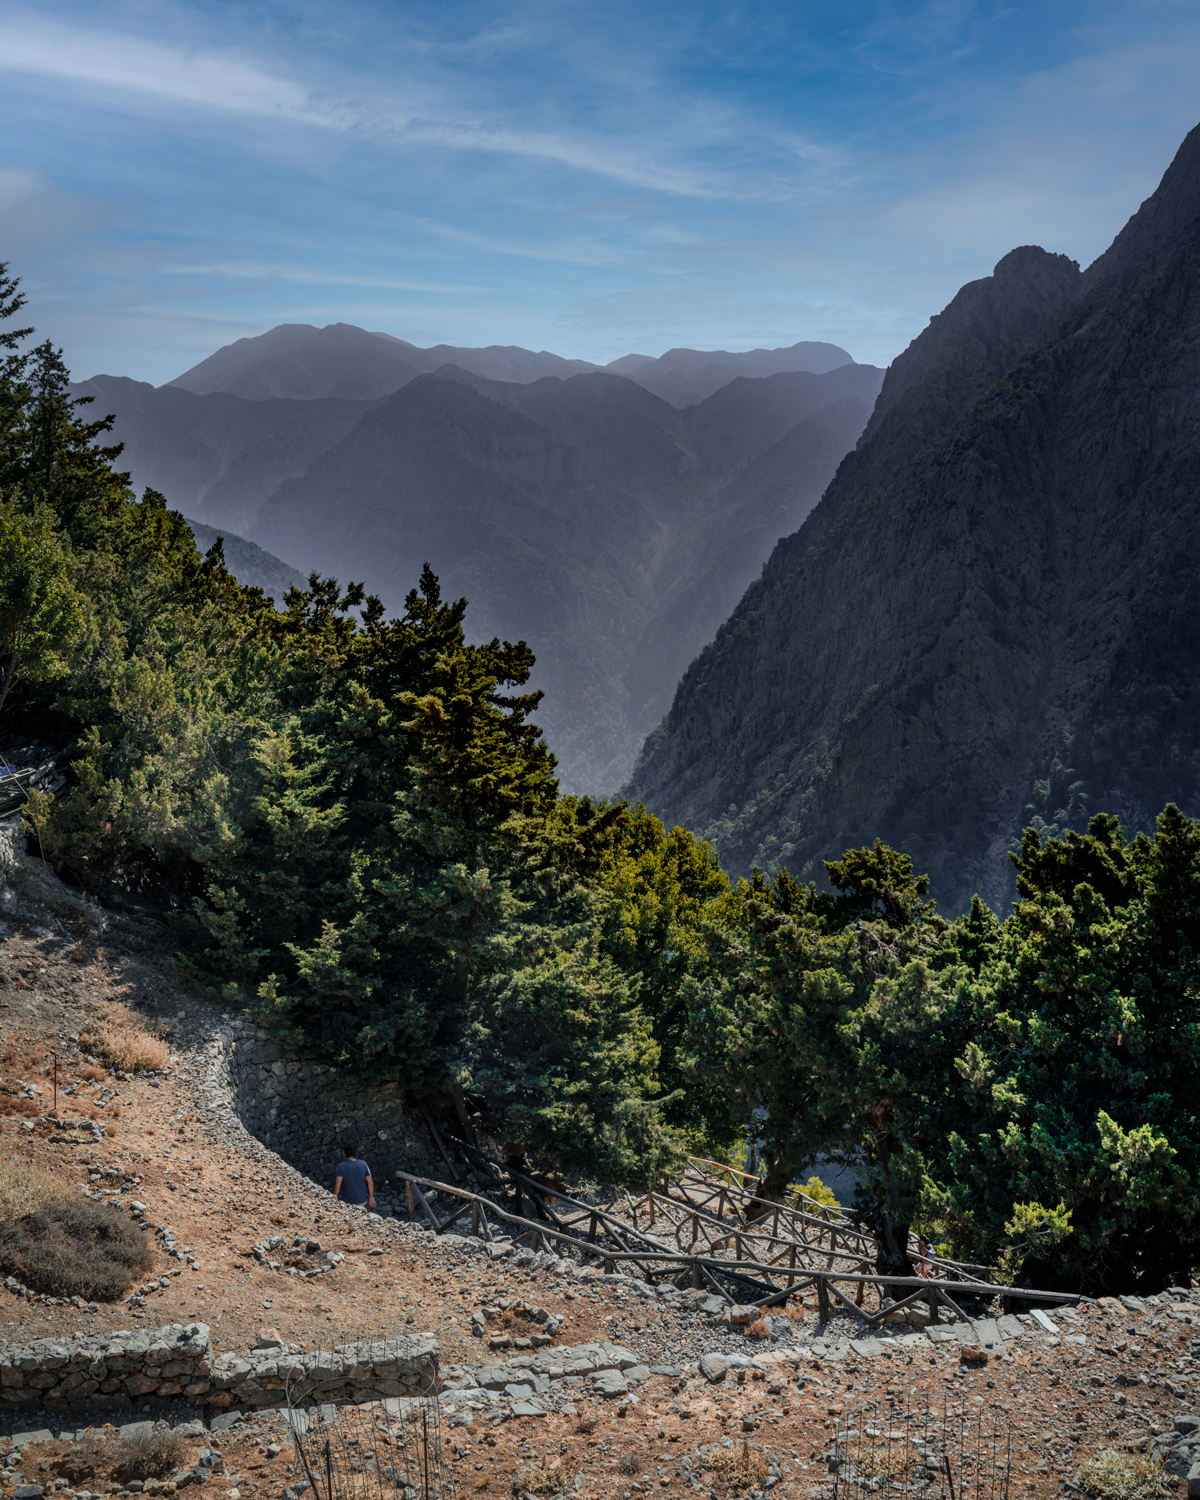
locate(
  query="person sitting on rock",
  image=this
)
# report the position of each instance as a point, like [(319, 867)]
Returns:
[(354, 1183)]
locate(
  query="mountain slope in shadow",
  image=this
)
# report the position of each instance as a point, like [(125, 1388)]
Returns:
[(1009, 563)]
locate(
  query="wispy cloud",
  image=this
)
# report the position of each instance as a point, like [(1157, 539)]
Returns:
[(246, 271), (125, 66), (523, 171), (123, 63)]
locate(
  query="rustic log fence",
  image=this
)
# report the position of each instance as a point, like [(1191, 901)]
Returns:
[(687, 1242)]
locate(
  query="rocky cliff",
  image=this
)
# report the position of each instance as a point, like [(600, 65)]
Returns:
[(1007, 564)]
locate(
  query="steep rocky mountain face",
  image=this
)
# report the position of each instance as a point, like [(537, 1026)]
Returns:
[(685, 377), (586, 516), (1000, 583)]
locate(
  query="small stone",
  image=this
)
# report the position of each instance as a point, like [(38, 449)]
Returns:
[(974, 1354)]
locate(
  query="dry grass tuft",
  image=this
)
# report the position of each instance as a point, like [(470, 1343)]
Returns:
[(890, 1462), (124, 1038), (21, 1106), (154, 1455), (22, 1055), (1126, 1476), (554, 1476), (25, 1186), (736, 1472), (760, 1329)]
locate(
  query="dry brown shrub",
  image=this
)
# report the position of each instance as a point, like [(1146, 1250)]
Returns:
[(736, 1472), (83, 1459), (123, 1037), (1126, 1476), (71, 1247), (553, 1476), (10, 1106), (760, 1329), (21, 1054), (24, 1185), (92, 1074), (154, 1455)]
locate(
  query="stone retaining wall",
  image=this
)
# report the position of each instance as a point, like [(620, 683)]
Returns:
[(302, 1111), (111, 1371)]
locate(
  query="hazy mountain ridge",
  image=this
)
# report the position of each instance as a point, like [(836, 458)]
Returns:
[(685, 377), (610, 528), (1004, 559), (300, 362), (572, 514)]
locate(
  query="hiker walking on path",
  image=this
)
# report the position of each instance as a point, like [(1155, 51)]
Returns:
[(354, 1183)]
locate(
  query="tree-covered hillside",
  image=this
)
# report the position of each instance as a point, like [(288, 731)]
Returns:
[(358, 836)]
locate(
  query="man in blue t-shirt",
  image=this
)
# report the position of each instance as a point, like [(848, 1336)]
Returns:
[(354, 1183)]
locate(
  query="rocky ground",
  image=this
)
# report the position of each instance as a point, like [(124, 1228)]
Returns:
[(243, 1244)]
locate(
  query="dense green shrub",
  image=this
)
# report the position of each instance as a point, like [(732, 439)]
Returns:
[(1029, 1090)]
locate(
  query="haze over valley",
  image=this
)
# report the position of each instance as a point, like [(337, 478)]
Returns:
[(576, 509)]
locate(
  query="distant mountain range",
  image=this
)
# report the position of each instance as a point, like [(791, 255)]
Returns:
[(993, 616), (299, 362), (580, 511)]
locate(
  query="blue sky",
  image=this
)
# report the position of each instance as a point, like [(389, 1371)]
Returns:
[(589, 178)]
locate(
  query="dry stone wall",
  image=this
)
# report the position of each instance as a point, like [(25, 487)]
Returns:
[(303, 1111), (113, 1370)]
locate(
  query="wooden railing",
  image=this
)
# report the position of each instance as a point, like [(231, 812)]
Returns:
[(687, 1242)]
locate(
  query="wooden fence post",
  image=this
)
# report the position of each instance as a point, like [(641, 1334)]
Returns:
[(823, 1314), (409, 1195), (697, 1278), (475, 1219)]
